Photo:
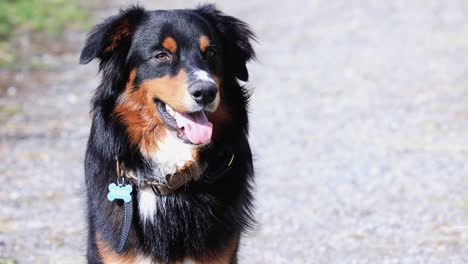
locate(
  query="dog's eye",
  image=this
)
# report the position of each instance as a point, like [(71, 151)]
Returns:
[(162, 56), (210, 53)]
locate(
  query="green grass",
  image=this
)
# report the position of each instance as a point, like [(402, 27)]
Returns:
[(8, 260), (38, 15), (28, 16)]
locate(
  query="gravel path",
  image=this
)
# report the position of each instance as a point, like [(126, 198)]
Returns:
[(358, 119)]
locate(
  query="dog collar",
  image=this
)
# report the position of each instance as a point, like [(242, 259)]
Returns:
[(166, 185)]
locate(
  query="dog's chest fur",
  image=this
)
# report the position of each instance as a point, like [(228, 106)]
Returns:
[(172, 154)]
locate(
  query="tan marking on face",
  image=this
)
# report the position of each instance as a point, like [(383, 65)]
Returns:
[(224, 256), (169, 43), (172, 90), (122, 31), (137, 111), (204, 43), (109, 256)]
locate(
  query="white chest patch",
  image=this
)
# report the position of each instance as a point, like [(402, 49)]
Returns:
[(147, 204), (203, 76), (172, 153)]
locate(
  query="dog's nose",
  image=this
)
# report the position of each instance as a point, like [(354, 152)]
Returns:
[(203, 93)]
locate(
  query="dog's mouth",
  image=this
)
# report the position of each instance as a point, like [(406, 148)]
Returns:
[(193, 128)]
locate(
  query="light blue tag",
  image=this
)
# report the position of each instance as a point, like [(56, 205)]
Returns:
[(120, 192)]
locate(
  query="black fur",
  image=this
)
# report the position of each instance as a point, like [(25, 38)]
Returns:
[(202, 217)]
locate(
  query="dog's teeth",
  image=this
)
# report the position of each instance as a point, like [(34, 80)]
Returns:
[(170, 110)]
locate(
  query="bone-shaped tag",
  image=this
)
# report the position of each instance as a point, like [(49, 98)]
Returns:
[(120, 192)]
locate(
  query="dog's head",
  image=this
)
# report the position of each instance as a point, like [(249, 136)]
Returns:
[(170, 70)]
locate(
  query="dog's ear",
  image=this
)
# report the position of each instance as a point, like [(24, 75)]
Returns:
[(113, 34), (235, 35)]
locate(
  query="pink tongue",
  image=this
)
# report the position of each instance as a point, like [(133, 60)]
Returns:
[(196, 126)]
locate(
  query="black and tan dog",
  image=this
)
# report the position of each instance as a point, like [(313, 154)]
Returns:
[(170, 120)]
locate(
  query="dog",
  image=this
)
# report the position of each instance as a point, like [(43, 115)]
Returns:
[(168, 166)]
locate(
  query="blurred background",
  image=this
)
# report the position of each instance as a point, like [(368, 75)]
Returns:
[(359, 125)]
